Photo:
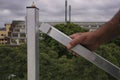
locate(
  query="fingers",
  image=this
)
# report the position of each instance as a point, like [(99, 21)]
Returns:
[(75, 35), (69, 46), (87, 39), (75, 41)]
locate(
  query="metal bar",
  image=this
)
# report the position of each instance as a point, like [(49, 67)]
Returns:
[(94, 58), (32, 23)]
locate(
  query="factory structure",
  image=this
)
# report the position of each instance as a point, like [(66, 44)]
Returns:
[(67, 12)]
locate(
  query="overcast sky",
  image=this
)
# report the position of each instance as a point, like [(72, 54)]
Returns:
[(53, 10)]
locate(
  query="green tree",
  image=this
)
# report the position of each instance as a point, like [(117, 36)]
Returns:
[(56, 63), (79, 68), (12, 61)]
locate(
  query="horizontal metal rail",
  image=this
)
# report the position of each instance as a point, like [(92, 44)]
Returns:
[(94, 58)]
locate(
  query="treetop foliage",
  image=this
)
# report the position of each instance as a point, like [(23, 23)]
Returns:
[(56, 63)]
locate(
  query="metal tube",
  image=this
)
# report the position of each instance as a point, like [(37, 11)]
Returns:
[(32, 23)]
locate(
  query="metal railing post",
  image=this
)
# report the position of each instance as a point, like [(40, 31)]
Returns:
[(32, 23)]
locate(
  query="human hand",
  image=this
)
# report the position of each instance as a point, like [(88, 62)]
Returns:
[(88, 39)]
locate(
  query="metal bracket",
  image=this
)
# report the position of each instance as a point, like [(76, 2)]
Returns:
[(94, 58)]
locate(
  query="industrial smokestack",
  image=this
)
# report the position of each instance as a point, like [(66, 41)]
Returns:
[(65, 10), (69, 13)]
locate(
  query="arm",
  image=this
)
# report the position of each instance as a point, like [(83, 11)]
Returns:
[(110, 29), (93, 40)]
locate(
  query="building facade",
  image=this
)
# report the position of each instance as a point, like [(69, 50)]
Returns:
[(4, 33), (18, 33)]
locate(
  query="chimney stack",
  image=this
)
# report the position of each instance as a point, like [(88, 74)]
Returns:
[(65, 10), (69, 13)]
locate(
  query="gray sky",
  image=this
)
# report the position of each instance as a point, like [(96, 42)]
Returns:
[(53, 10)]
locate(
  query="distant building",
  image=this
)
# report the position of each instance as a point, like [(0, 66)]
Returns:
[(91, 26), (4, 32), (18, 33), (15, 33)]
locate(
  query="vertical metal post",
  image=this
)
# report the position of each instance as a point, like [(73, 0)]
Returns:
[(32, 23), (65, 10)]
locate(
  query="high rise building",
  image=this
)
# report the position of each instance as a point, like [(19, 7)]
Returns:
[(18, 33)]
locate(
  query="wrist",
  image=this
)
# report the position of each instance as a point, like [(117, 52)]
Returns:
[(98, 37), (102, 34)]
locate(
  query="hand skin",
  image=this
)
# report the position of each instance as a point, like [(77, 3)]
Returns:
[(92, 40), (87, 39)]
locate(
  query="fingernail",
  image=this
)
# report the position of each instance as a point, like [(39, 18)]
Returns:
[(68, 46)]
